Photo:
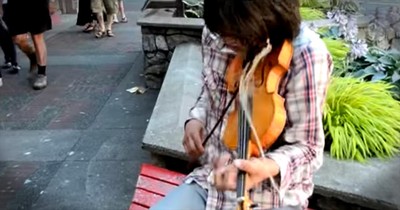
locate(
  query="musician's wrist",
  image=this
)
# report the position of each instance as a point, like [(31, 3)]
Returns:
[(271, 167), (191, 119)]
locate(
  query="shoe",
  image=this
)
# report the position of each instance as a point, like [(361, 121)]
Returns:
[(1, 81), (99, 34), (124, 20), (110, 33), (14, 69), (89, 28), (40, 82), (6, 65)]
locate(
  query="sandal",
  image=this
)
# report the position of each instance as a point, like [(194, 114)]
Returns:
[(124, 20), (89, 28), (110, 33), (100, 34)]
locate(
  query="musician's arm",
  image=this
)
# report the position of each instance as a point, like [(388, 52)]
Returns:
[(214, 62), (199, 110), (305, 96)]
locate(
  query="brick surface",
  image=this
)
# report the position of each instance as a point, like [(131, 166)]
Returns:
[(51, 154)]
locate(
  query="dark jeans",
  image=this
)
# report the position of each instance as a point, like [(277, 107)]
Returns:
[(7, 45)]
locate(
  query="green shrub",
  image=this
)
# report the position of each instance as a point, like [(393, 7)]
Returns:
[(362, 119), (339, 50), (193, 8), (308, 13), (315, 3)]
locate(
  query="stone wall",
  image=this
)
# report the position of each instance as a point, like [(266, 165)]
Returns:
[(383, 28), (369, 6), (161, 33), (158, 46)]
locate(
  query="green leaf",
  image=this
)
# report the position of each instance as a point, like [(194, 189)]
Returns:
[(378, 76), (395, 77), (192, 3), (370, 70), (370, 58), (386, 60)]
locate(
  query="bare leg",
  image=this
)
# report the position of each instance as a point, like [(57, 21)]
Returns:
[(100, 20), (110, 20), (41, 50), (23, 44), (122, 11)]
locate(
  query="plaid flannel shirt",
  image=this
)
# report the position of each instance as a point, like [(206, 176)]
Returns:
[(304, 89)]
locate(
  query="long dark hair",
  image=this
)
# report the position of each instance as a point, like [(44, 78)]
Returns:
[(252, 22)]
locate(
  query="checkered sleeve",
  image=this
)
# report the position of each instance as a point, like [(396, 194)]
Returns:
[(305, 94), (199, 110)]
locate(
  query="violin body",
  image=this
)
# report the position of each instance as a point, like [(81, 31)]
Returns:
[(268, 110)]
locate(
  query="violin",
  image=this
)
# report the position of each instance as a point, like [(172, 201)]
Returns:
[(259, 116)]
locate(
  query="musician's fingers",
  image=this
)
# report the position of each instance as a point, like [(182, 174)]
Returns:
[(248, 166), (223, 161), (184, 143), (197, 142), (185, 146), (191, 148), (231, 177), (219, 177)]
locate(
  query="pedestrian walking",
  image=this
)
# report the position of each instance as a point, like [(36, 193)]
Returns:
[(109, 6), (121, 11), (8, 47), (23, 18)]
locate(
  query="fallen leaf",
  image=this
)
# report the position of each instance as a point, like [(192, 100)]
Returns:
[(137, 90)]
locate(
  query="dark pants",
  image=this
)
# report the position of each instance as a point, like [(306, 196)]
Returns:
[(7, 45)]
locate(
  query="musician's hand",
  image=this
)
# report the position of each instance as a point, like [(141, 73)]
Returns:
[(193, 139), (258, 169), (225, 173)]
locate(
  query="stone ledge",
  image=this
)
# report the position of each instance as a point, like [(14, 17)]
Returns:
[(181, 86), (374, 184), (164, 18)]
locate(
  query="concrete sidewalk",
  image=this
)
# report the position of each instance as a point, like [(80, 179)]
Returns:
[(77, 144)]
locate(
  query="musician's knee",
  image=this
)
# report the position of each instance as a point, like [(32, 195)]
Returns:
[(186, 196)]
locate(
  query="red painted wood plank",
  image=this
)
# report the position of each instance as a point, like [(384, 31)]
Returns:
[(162, 174), (135, 206), (154, 185), (145, 198)]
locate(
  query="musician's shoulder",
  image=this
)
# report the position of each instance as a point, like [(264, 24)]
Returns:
[(308, 41)]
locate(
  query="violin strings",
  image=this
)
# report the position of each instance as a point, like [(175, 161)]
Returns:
[(245, 90)]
